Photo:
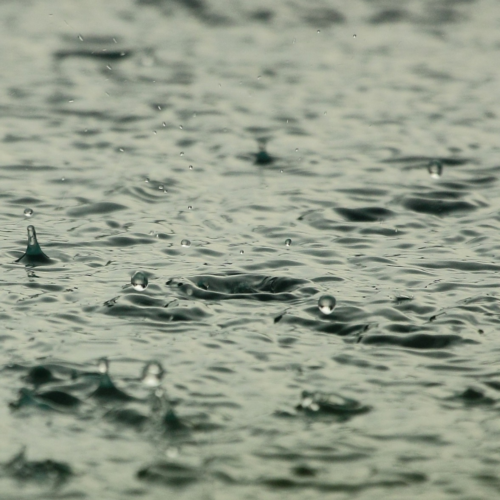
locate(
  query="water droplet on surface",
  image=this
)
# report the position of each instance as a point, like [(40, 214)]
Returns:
[(103, 366), (181, 153), (288, 242), (326, 304), (34, 254), (190, 167), (28, 212), (435, 169), (185, 243), (139, 281), (152, 374)]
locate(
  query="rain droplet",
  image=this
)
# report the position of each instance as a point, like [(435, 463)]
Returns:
[(152, 374), (80, 37), (159, 107), (160, 188), (318, 31), (181, 153), (190, 167), (139, 281), (190, 207), (326, 304), (288, 242), (146, 179), (103, 366), (435, 168), (185, 243), (296, 150), (181, 127), (354, 36), (164, 124), (242, 252), (28, 212)]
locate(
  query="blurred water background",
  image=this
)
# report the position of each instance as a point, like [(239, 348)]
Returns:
[(253, 160)]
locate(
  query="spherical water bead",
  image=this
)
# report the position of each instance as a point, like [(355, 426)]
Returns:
[(152, 374), (326, 304), (288, 242), (103, 366), (28, 212), (139, 281), (185, 243), (435, 169)]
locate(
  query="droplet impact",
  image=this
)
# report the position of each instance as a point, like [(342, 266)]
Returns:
[(152, 374), (34, 254), (326, 304), (185, 243), (435, 169), (288, 242), (103, 366), (139, 281), (28, 212)]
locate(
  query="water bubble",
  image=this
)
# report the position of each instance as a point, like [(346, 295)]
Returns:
[(103, 366), (190, 167), (326, 304), (181, 153), (288, 242), (28, 212), (185, 243), (435, 169), (139, 281), (152, 374)]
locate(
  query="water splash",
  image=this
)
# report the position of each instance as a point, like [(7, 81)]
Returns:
[(34, 255), (152, 374)]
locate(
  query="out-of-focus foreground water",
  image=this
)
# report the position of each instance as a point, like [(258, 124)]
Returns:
[(189, 140)]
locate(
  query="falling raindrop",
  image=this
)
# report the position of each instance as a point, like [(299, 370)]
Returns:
[(185, 243), (326, 304), (435, 168), (190, 207), (139, 281), (28, 212), (288, 242), (242, 252), (181, 127), (190, 167), (80, 37), (318, 31), (146, 179), (354, 36), (152, 374), (181, 153)]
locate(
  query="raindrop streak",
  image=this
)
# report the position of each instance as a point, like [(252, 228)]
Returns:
[(185, 243), (152, 374), (288, 242), (139, 281), (34, 254), (326, 304), (28, 212), (435, 169)]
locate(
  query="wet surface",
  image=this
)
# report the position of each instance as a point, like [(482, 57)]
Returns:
[(266, 254)]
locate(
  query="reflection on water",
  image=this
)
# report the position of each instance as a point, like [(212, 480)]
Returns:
[(267, 253)]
